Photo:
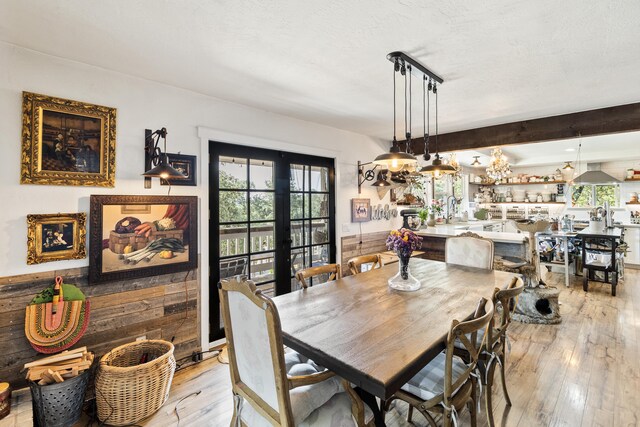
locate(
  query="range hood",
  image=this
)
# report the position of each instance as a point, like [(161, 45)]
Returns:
[(594, 175)]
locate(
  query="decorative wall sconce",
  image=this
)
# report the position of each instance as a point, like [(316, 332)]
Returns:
[(156, 161), (365, 174)]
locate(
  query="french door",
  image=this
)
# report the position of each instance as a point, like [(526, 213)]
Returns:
[(272, 213)]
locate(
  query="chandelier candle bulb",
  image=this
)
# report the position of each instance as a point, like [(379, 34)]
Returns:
[(499, 167)]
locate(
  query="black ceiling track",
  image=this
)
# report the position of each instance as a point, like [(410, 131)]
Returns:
[(417, 68)]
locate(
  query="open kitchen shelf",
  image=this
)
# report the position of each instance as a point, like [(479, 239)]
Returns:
[(522, 203), (632, 180), (525, 183)]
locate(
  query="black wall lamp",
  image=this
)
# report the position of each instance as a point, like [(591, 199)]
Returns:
[(156, 161)]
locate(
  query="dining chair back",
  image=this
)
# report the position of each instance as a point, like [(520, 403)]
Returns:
[(471, 250), (255, 348), (506, 299), (355, 264), (333, 272), (467, 333), (448, 383), (305, 395), (497, 342)]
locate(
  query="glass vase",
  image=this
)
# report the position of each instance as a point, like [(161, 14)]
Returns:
[(404, 281)]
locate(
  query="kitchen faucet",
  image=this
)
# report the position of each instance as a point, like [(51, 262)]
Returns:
[(450, 205)]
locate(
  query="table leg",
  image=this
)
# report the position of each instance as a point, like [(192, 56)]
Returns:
[(370, 400), (566, 261)]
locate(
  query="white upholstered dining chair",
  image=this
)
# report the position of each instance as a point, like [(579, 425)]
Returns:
[(271, 388), (470, 250)]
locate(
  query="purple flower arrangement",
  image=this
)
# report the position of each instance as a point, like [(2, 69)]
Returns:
[(403, 241)]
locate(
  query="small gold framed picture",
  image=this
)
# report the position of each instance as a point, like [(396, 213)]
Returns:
[(56, 237), (67, 142)]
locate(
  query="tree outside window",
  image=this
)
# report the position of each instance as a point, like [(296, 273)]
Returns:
[(592, 195)]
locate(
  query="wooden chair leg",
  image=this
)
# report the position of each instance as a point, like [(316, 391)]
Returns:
[(504, 380), (473, 403), (487, 395), (446, 418)]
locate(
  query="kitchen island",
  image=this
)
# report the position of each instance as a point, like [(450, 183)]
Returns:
[(506, 244)]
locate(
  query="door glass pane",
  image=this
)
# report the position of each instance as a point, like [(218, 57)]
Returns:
[(261, 174), (299, 260), (319, 205), (299, 178), (233, 206), (299, 233), (233, 172), (296, 206), (319, 178), (319, 231), (262, 267), (296, 233), (262, 236), (233, 239), (232, 267), (262, 206), (319, 255)]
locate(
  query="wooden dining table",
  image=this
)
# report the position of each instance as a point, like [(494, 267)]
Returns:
[(376, 337)]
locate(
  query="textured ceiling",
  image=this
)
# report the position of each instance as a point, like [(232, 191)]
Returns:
[(325, 62)]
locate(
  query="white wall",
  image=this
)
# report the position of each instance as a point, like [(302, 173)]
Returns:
[(141, 105)]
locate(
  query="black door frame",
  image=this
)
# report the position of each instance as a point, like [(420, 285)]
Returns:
[(282, 161)]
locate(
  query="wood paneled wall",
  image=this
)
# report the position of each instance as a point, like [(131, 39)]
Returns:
[(159, 307), (351, 246)]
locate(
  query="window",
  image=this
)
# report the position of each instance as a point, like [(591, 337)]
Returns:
[(591, 195), (440, 192), (447, 185)]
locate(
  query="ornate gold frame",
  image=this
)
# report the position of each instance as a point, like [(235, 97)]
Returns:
[(31, 172), (34, 237)]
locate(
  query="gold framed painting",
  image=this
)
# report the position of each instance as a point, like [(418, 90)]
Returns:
[(67, 142), (56, 237)]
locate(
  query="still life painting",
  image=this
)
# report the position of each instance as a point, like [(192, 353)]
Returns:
[(158, 238)]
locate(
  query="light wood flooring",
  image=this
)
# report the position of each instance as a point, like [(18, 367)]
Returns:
[(583, 372)]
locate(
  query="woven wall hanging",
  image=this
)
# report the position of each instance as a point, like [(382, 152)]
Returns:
[(56, 318)]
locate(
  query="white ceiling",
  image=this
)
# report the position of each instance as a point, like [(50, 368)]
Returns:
[(601, 148), (324, 61)]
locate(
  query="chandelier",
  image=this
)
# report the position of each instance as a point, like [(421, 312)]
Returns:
[(453, 162), (499, 167)]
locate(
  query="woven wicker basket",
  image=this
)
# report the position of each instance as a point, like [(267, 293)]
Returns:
[(127, 391)]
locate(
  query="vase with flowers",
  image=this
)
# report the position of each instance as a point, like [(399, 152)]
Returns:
[(403, 242), (435, 208)]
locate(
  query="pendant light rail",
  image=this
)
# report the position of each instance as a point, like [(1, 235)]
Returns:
[(417, 69)]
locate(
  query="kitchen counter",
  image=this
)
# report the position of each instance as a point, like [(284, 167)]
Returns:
[(449, 230)]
